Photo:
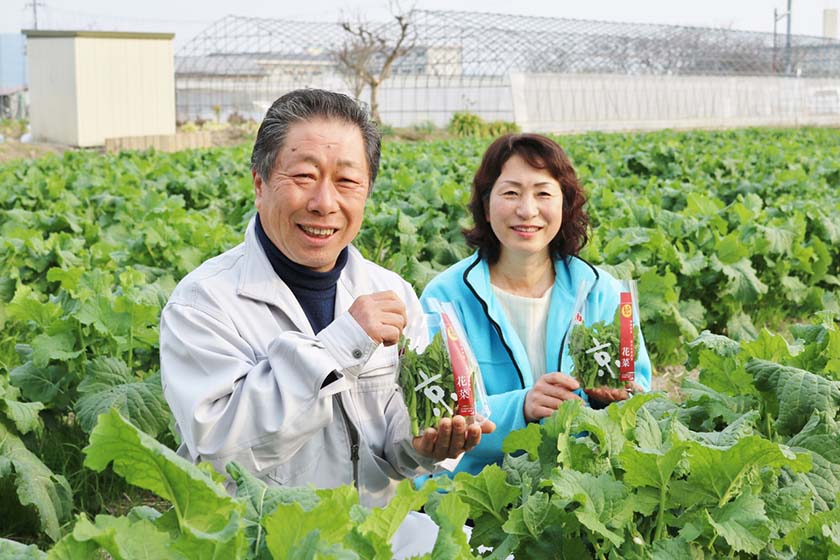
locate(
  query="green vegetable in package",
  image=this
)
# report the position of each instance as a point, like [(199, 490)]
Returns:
[(595, 353), (427, 383)]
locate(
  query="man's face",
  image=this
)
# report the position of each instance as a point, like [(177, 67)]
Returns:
[(313, 204)]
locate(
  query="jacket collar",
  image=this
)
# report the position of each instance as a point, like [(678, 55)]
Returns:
[(258, 281), (570, 275)]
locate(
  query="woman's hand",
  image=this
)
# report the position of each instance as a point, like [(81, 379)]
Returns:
[(547, 394), (603, 396), (452, 437)]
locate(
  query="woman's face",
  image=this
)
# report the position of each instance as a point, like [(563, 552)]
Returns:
[(525, 209)]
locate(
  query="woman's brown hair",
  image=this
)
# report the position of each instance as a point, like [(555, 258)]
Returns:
[(539, 152)]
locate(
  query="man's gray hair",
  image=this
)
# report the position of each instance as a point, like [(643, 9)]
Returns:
[(306, 105)]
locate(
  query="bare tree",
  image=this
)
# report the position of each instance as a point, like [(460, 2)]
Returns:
[(366, 57)]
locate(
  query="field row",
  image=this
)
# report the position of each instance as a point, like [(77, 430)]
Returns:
[(725, 231)]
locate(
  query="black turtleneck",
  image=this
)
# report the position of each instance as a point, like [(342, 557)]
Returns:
[(315, 291)]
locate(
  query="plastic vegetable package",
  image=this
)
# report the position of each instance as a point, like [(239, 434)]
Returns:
[(443, 379), (604, 352)]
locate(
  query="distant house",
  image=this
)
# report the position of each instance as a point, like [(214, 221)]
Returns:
[(12, 61), (13, 102)]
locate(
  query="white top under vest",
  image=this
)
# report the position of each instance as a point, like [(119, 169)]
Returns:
[(529, 317)]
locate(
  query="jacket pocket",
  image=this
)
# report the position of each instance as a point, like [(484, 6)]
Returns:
[(300, 466), (380, 371)]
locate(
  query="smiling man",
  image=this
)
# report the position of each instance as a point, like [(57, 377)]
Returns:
[(280, 354)]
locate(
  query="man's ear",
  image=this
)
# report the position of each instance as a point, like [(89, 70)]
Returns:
[(258, 184)]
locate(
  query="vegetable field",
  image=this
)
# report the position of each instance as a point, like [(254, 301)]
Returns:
[(734, 238)]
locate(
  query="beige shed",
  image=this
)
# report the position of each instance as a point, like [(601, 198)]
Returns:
[(86, 86)]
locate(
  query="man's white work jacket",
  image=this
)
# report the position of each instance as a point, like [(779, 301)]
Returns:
[(243, 374)]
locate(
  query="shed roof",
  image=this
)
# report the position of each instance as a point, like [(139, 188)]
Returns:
[(52, 34)]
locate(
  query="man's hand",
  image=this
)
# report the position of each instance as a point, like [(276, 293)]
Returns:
[(452, 437), (603, 396), (381, 315), (547, 394)]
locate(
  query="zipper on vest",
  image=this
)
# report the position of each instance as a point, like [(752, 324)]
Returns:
[(495, 325), (354, 441)]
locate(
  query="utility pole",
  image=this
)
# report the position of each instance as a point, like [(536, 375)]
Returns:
[(788, 68), (776, 17), (35, 4)]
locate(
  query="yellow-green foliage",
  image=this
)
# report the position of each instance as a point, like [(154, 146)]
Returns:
[(466, 125)]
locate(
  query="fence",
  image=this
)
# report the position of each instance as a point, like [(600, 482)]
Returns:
[(544, 73)]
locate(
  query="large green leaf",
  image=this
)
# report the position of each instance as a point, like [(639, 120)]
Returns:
[(261, 500), (742, 282), (36, 485), (108, 384), (124, 539), (40, 384), (530, 518), (27, 306), (788, 507), (742, 523), (819, 526), (11, 550), (600, 502), (450, 515), (672, 549), (794, 394), (653, 462), (59, 347), (384, 522), (730, 249), (716, 405), (201, 505), (24, 415), (289, 524), (487, 492), (738, 428), (719, 475), (821, 436), (527, 439)]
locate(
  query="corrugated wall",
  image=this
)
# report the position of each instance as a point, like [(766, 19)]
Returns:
[(89, 86), (52, 90), (126, 87)]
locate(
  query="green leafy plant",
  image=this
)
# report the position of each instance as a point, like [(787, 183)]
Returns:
[(726, 231), (423, 371), (466, 125), (587, 344), (31, 493), (498, 128), (261, 522)]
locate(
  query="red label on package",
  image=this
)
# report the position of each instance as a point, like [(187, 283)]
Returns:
[(460, 369), (627, 358)]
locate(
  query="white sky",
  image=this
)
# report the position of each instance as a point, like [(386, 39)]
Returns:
[(186, 18)]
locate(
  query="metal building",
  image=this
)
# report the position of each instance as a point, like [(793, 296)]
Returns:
[(86, 86), (546, 74)]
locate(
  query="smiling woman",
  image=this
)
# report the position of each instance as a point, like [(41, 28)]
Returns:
[(525, 212), (516, 295)]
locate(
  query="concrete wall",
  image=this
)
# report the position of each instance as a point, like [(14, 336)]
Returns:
[(556, 102), (403, 100), (89, 86), (571, 103)]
